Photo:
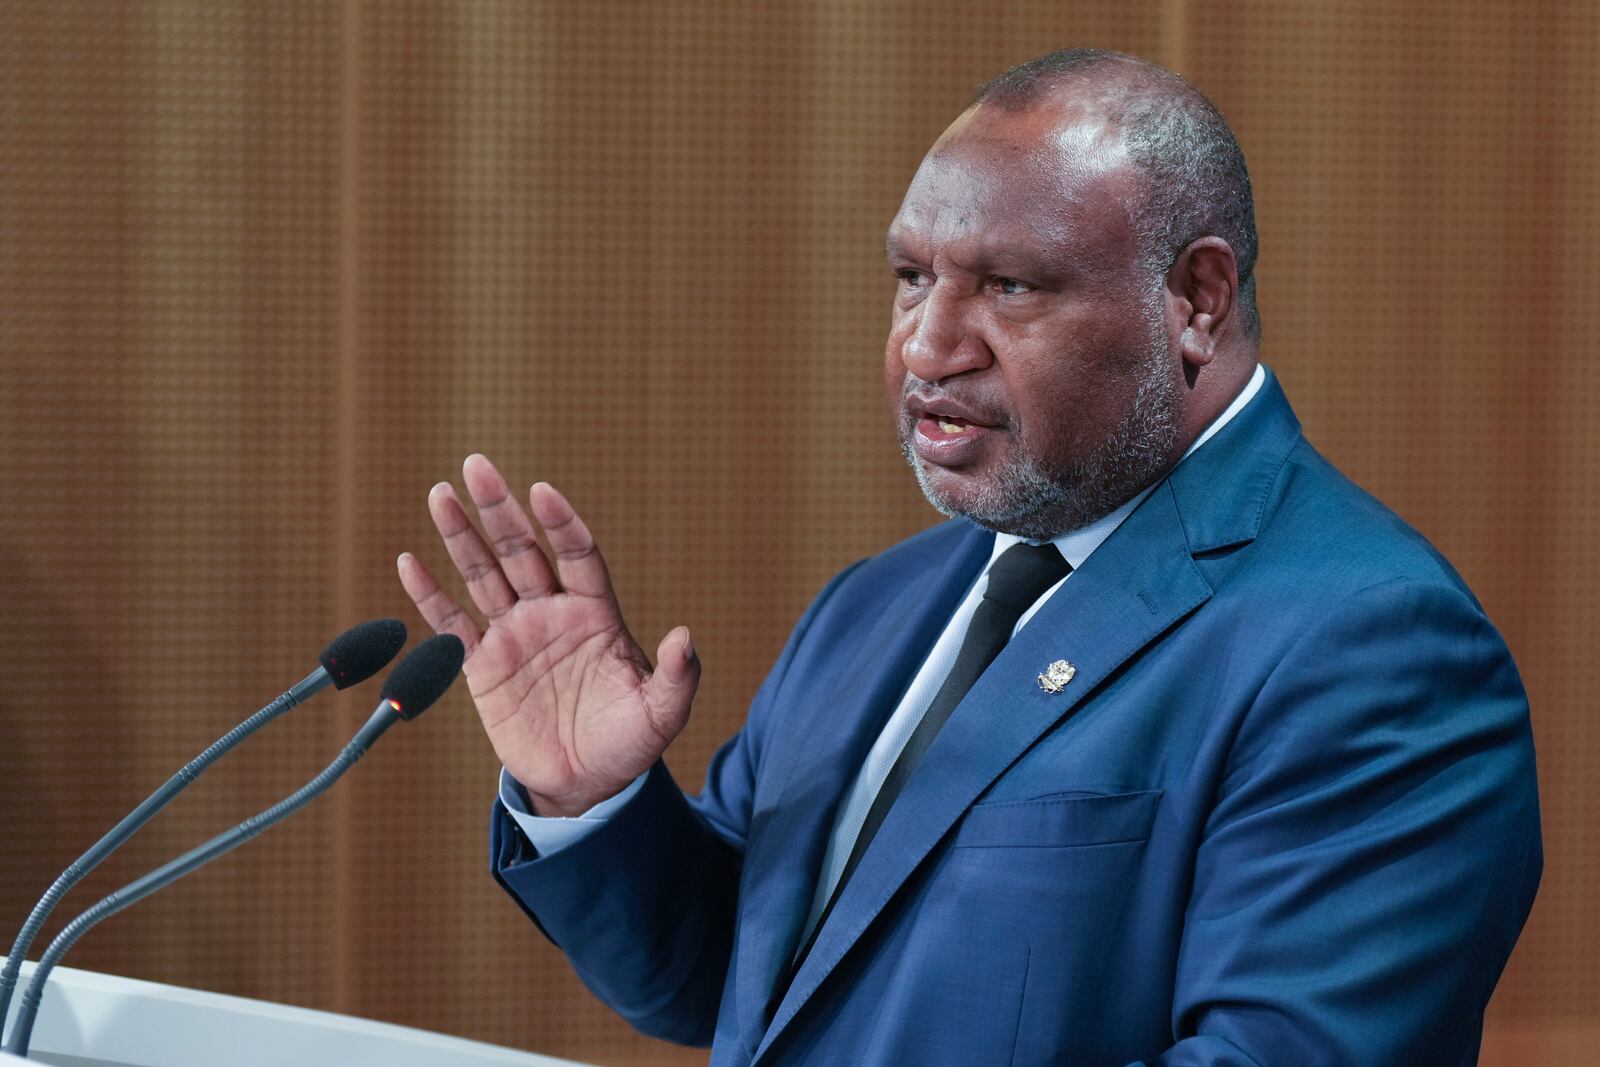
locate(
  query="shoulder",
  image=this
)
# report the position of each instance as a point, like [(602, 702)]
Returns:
[(932, 549), (1261, 506), (1327, 536), (933, 564), (924, 569)]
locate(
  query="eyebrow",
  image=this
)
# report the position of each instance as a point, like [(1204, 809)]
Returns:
[(1048, 266)]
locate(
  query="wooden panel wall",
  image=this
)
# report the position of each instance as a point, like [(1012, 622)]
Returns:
[(269, 271)]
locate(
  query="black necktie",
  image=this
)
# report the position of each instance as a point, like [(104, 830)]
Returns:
[(1018, 578)]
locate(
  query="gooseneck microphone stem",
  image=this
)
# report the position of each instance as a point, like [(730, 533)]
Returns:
[(411, 688), (22, 1030), (302, 690)]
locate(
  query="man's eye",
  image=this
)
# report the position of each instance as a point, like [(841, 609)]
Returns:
[(911, 277), (1010, 286)]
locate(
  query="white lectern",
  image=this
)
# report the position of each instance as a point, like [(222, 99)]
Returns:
[(99, 1020)]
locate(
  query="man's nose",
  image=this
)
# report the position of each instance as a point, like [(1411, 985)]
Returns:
[(943, 341)]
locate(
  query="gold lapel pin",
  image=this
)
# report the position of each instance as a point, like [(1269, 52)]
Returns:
[(1056, 676)]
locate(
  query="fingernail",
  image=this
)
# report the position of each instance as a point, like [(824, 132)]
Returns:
[(688, 647)]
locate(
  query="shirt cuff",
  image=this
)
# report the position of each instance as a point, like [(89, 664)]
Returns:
[(550, 834)]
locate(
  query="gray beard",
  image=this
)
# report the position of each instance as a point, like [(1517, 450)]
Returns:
[(1040, 503)]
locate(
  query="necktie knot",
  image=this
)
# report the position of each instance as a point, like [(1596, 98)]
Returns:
[(1022, 574)]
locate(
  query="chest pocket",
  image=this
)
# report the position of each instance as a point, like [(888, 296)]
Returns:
[(1068, 820)]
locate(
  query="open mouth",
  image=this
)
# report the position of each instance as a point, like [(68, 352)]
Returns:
[(951, 424), (948, 439), (949, 431)]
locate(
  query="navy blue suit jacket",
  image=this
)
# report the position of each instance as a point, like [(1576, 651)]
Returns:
[(1285, 814)]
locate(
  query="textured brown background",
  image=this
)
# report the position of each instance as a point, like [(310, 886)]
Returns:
[(269, 271)]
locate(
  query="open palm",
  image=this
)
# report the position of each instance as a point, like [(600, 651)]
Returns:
[(568, 698)]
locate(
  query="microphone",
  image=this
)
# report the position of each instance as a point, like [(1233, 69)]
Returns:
[(352, 657), (419, 680)]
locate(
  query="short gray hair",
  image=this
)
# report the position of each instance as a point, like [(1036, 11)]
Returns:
[(1196, 182)]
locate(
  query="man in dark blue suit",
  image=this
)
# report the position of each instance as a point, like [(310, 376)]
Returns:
[(1172, 747)]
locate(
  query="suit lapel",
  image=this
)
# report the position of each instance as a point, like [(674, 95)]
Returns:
[(831, 743), (1135, 586)]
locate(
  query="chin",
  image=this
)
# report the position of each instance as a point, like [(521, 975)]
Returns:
[(1016, 499)]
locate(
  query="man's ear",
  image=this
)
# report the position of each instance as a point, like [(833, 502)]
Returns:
[(1202, 286)]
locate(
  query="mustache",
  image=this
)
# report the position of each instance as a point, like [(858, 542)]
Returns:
[(918, 393)]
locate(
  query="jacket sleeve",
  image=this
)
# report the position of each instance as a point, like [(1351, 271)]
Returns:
[(645, 906), (1374, 847)]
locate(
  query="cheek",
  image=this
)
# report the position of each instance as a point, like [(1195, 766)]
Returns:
[(1063, 425), (1057, 401)]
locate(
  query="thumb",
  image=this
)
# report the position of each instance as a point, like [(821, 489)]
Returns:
[(671, 688)]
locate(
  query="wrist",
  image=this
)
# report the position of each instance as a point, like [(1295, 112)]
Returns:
[(569, 805)]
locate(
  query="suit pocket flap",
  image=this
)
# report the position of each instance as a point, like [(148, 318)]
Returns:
[(1060, 821)]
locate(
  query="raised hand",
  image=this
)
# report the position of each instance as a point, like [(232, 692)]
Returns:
[(567, 696)]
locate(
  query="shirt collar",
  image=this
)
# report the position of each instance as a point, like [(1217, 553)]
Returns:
[(1076, 546)]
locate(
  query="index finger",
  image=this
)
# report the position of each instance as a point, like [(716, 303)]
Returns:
[(437, 608)]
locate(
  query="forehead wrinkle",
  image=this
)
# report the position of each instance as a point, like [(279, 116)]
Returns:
[(954, 193), (1054, 181), (964, 239)]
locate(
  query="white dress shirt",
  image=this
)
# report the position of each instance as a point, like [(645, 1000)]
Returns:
[(549, 834)]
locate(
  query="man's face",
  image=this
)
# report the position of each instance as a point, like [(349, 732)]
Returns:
[(1028, 363)]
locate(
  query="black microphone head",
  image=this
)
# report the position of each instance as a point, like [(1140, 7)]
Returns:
[(424, 675), (362, 651)]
